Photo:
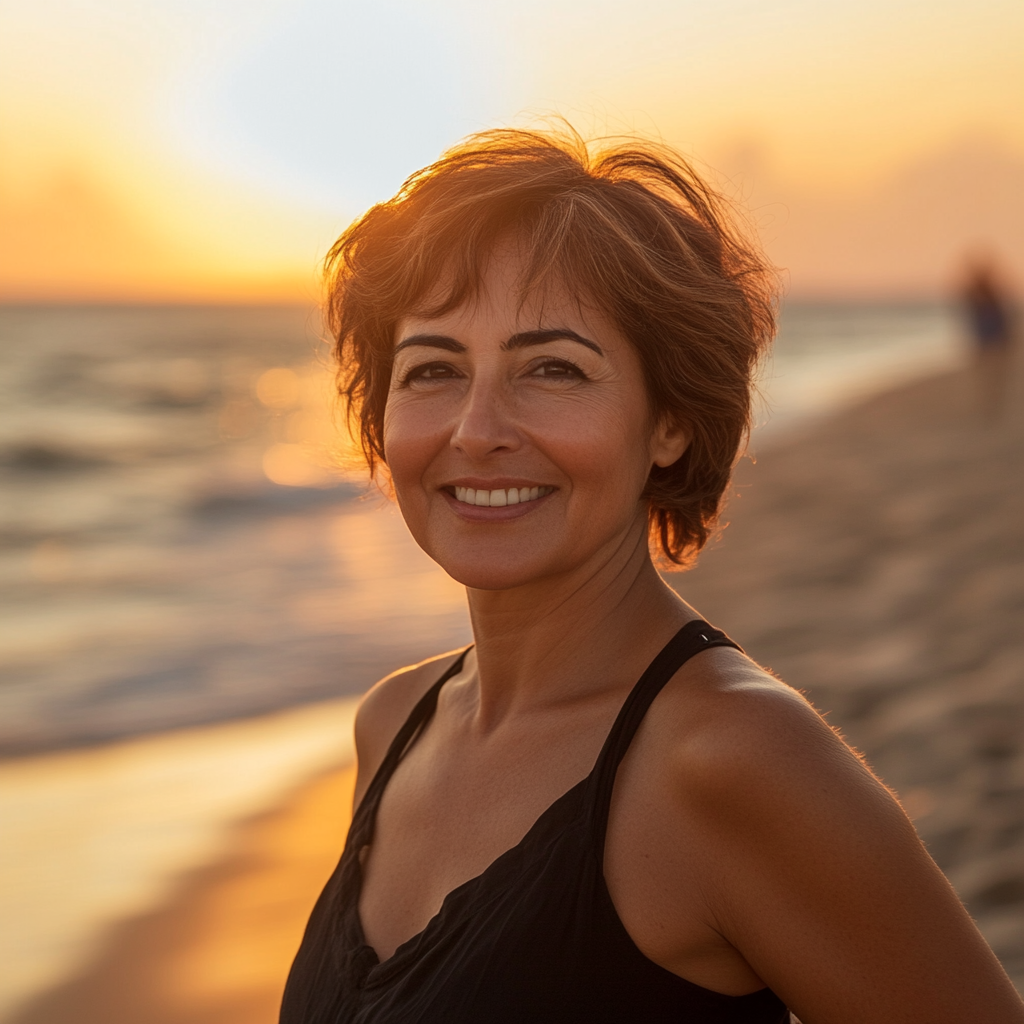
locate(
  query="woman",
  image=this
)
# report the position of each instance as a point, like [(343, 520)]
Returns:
[(550, 355)]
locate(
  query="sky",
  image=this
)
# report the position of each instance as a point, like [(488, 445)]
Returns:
[(213, 149)]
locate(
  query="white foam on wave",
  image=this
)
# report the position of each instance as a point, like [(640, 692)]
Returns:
[(828, 358)]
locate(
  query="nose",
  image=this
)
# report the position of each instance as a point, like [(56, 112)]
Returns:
[(484, 424)]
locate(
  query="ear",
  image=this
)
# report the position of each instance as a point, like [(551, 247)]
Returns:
[(668, 442)]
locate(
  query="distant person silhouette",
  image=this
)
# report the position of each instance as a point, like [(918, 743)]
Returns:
[(991, 325)]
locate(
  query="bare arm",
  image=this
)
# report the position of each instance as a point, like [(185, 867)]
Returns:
[(814, 873)]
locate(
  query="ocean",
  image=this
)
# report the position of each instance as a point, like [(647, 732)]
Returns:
[(179, 546), (193, 593)]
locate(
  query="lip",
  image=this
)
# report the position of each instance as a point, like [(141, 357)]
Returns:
[(485, 513), (500, 483)]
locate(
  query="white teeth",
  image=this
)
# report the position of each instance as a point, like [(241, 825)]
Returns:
[(500, 497)]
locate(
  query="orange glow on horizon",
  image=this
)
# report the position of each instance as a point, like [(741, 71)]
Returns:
[(873, 150), (71, 239)]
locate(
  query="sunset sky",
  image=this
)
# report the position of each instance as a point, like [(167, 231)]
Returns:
[(212, 149)]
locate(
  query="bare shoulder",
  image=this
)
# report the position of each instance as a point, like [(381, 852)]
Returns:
[(806, 862), (746, 744), (386, 706), (724, 713)]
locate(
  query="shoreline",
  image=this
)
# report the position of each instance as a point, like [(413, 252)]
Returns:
[(875, 561), (160, 573), (102, 835), (218, 949)]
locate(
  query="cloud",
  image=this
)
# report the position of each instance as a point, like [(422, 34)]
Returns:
[(906, 235)]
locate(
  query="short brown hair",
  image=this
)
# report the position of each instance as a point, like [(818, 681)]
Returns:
[(632, 228)]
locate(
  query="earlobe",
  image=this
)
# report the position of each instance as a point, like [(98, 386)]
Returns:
[(669, 443)]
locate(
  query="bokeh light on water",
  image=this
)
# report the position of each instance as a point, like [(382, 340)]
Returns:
[(181, 545), (179, 541)]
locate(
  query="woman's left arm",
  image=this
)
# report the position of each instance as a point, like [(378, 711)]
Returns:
[(816, 875)]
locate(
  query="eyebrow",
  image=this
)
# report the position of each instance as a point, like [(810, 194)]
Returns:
[(527, 338), (524, 339), (431, 341)]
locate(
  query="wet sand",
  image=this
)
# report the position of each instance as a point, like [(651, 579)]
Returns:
[(100, 835), (218, 950), (874, 560)]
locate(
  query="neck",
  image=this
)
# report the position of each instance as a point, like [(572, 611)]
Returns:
[(574, 636)]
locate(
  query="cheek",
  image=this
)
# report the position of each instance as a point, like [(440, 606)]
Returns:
[(410, 439), (604, 449)]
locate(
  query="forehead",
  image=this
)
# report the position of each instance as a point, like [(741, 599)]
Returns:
[(503, 296)]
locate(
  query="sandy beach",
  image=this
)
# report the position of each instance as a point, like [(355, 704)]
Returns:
[(217, 951), (874, 560), (97, 836)]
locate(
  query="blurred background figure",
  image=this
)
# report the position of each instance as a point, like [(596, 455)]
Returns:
[(990, 320)]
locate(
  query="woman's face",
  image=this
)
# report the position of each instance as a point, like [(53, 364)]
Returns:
[(519, 435)]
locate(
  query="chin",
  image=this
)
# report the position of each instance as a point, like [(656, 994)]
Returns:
[(494, 566), (490, 576)]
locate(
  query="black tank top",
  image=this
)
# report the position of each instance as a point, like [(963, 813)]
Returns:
[(533, 939)]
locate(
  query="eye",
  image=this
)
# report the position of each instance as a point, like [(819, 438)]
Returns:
[(556, 369), (427, 372)]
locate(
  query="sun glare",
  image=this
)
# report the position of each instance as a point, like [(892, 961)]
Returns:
[(167, 152)]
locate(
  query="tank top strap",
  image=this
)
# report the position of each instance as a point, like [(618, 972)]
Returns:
[(694, 637), (421, 713)]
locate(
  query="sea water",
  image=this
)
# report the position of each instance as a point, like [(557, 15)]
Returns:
[(194, 585), (830, 355), (178, 544)]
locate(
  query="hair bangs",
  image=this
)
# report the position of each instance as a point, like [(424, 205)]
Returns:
[(631, 231)]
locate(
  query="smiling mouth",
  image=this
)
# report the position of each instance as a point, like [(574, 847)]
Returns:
[(500, 497)]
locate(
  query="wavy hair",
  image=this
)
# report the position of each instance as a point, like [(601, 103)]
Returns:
[(631, 228)]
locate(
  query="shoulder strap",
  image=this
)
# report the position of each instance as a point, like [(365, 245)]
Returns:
[(421, 713), (694, 637)]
